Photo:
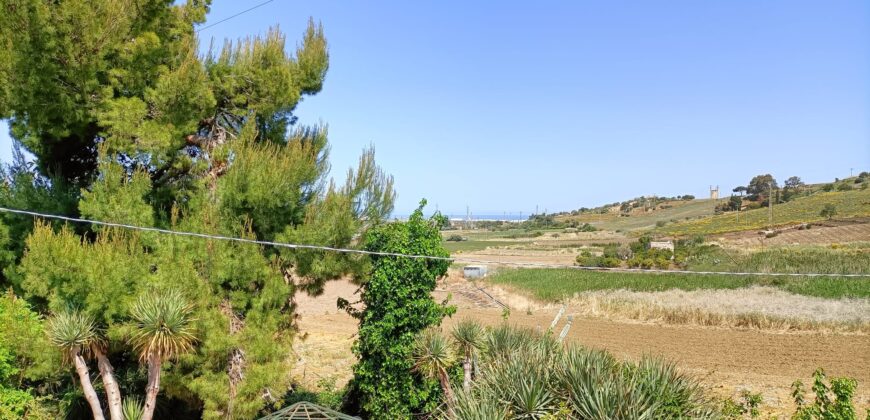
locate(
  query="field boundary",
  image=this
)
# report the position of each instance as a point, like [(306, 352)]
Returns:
[(394, 254)]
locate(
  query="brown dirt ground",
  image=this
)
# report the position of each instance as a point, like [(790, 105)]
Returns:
[(822, 233), (728, 361)]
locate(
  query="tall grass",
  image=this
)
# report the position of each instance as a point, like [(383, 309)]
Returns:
[(560, 284)]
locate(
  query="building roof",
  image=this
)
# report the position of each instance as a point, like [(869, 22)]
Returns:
[(305, 410)]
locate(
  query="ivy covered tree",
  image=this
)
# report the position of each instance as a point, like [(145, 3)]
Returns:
[(129, 123), (397, 305)]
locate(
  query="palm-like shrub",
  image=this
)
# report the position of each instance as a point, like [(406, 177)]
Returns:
[(77, 335), (433, 356), (528, 375), (468, 336), (162, 332)]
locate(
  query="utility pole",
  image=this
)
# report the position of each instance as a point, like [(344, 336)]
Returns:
[(738, 209), (770, 205)]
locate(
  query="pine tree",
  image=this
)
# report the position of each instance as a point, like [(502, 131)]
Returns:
[(129, 123)]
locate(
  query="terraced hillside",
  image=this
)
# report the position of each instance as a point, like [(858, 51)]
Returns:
[(640, 220), (849, 204)]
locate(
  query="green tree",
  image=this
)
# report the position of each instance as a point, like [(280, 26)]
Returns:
[(129, 123), (828, 211), (398, 305), (760, 186)]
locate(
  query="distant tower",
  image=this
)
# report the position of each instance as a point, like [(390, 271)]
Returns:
[(714, 193)]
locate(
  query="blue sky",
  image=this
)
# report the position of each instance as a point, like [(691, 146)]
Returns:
[(570, 104)]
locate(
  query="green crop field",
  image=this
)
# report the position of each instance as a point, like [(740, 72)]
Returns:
[(802, 210), (474, 245), (558, 284)]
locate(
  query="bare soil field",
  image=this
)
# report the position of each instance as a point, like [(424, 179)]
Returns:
[(728, 360), (554, 256), (830, 232)]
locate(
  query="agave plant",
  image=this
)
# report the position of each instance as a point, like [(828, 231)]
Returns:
[(433, 355), (132, 409), (468, 336), (163, 331), (76, 334)]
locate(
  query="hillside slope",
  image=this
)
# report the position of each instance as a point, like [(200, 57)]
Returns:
[(854, 203), (640, 220)]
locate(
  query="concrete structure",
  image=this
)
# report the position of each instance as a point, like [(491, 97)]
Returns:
[(669, 245), (714, 193), (474, 271)]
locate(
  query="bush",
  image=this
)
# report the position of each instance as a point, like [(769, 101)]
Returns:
[(844, 187), (828, 187), (456, 238), (824, 406), (828, 211), (531, 375), (661, 223)]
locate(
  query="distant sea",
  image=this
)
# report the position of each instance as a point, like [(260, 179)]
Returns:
[(512, 217)]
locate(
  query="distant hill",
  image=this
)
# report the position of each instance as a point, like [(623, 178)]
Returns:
[(643, 219), (679, 216), (848, 204)]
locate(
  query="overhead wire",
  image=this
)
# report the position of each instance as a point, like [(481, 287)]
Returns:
[(233, 16), (460, 260)]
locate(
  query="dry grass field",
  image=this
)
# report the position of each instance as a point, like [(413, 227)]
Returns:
[(729, 359)]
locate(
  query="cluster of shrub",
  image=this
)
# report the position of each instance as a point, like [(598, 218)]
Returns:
[(639, 254), (763, 188)]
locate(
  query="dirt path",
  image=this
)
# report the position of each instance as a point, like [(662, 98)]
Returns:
[(728, 360)]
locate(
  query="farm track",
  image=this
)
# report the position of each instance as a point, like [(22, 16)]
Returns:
[(727, 360)]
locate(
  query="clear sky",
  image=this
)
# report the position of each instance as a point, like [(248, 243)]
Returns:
[(568, 104)]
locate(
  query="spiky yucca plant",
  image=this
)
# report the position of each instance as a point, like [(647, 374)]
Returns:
[(77, 335), (468, 336), (132, 408), (433, 356), (163, 331), (528, 375)]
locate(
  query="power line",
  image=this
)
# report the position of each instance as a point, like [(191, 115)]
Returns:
[(414, 256), (233, 16)]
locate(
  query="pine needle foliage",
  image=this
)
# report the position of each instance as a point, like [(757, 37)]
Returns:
[(129, 123)]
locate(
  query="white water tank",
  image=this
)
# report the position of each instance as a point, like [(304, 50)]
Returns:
[(474, 271)]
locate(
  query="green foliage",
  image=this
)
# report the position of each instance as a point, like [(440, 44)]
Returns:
[(132, 408), (828, 211), (129, 123), (831, 402), (325, 395), (71, 329), (398, 305), (747, 407), (551, 284), (162, 326), (526, 375), (760, 186)]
